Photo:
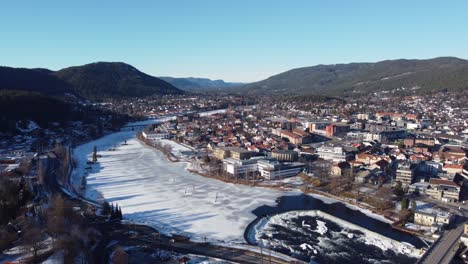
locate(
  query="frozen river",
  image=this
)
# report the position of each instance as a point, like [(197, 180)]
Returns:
[(154, 191), (150, 189)]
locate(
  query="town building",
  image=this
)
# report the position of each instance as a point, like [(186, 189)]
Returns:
[(155, 133), (285, 155), (335, 154), (432, 218), (239, 168), (405, 175), (336, 129), (341, 169), (234, 152), (444, 190), (272, 169)]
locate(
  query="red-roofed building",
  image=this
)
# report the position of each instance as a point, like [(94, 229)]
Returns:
[(453, 168)]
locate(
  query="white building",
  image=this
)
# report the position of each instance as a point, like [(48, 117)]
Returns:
[(156, 134), (335, 154), (272, 169), (269, 169), (236, 167)]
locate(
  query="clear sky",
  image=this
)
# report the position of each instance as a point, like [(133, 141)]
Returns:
[(238, 40)]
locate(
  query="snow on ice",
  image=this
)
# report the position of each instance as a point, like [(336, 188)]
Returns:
[(152, 190)]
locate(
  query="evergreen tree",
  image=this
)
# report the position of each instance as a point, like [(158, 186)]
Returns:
[(398, 190), (120, 213), (106, 208), (112, 211), (413, 205), (83, 182), (404, 203), (116, 211), (95, 153)]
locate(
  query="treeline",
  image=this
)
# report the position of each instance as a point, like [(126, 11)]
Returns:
[(13, 195), (17, 106)]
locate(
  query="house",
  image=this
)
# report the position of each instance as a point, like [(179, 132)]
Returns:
[(453, 168), (366, 158), (452, 153), (382, 165), (444, 190), (292, 137), (341, 169), (362, 176)]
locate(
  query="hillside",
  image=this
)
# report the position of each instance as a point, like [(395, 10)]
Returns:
[(103, 80), (23, 105), (341, 79), (96, 81), (198, 84), (32, 80)]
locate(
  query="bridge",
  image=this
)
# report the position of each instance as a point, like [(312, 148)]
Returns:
[(444, 249), (133, 127)]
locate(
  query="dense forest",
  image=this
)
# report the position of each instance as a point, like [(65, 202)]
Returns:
[(422, 76), (95, 81), (17, 106)]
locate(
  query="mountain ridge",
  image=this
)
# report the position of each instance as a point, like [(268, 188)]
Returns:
[(348, 78), (197, 83)]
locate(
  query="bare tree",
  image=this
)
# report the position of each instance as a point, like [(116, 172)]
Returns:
[(33, 239)]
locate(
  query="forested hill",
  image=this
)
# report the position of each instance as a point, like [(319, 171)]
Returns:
[(113, 79), (95, 81), (33, 80), (359, 78)]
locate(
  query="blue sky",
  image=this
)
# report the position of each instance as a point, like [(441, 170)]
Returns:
[(242, 40)]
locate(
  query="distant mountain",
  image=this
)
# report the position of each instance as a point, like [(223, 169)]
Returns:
[(197, 84), (95, 81), (341, 79), (103, 80)]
